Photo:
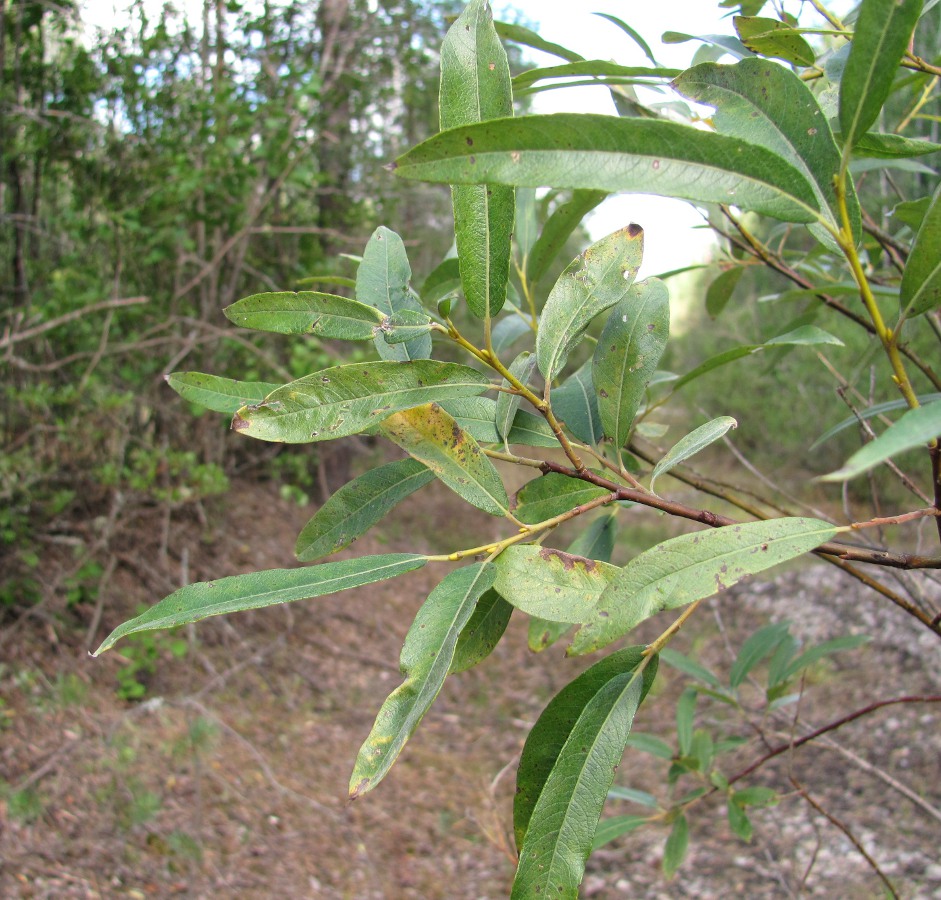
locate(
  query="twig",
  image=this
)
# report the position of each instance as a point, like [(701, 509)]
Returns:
[(11, 338)]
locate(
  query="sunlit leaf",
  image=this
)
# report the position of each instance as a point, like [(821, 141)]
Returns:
[(551, 584), (266, 588), (475, 87), (427, 655), (346, 399), (627, 354), (551, 495), (696, 440), (307, 312), (883, 30), (218, 394), (432, 436), (595, 281), (692, 566), (566, 769), (529, 38), (921, 283), (482, 632), (405, 325), (771, 37), (914, 429), (572, 150), (382, 281), (727, 43), (352, 510)]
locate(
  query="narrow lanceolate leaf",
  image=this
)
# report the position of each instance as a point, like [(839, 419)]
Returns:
[(507, 404), (267, 588), (531, 430), (575, 403), (566, 769), (382, 281), (627, 354), (690, 567), (430, 435), (404, 326), (915, 429), (483, 632), (307, 312), (558, 229), (551, 495), (475, 86), (771, 37), (766, 104), (529, 38), (359, 505), (347, 399), (218, 394), (570, 150), (598, 68), (426, 658), (551, 584), (891, 146), (883, 30), (921, 283), (690, 445), (592, 283), (721, 289)]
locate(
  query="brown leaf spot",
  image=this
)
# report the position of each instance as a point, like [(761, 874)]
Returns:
[(633, 229), (240, 424), (568, 560)]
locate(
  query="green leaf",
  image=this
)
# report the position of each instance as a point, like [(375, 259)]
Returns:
[(482, 632), (647, 743), (758, 646), (308, 312), (551, 584), (921, 282), (756, 796), (773, 38), (347, 399), (739, 822), (726, 42), (871, 413), (427, 655), (359, 505), (475, 87), (528, 38), (696, 440), (531, 430), (821, 651), (565, 218), (595, 281), (477, 416), (692, 566), (566, 769), (688, 666), (339, 280), (685, 714), (267, 588), (218, 394), (551, 495), (891, 146), (610, 829), (508, 331), (508, 404), (575, 403), (444, 280), (883, 30), (571, 150), (542, 633), (914, 429), (430, 435), (631, 33), (721, 288), (630, 346), (643, 798), (599, 68), (382, 281), (405, 325), (674, 852), (912, 212), (766, 104)]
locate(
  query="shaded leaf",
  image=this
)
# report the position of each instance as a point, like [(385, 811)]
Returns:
[(631, 33), (347, 399), (482, 632), (571, 150), (595, 281), (218, 394), (632, 795), (756, 648), (739, 822), (610, 829), (551, 495), (685, 715), (575, 403), (352, 510), (921, 282), (883, 30), (259, 589), (307, 312), (891, 146), (405, 325), (528, 38), (522, 369), (475, 87), (821, 651), (912, 212), (688, 666), (721, 288), (648, 743), (914, 429), (508, 331), (756, 796), (630, 346), (674, 852), (771, 37), (689, 446), (430, 435), (382, 281), (600, 68), (531, 430), (551, 584), (727, 43), (565, 218), (444, 279), (566, 769), (426, 657), (692, 566)]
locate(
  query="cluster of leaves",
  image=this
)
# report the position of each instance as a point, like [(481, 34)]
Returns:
[(772, 151)]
